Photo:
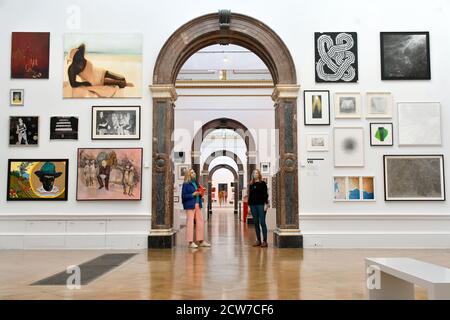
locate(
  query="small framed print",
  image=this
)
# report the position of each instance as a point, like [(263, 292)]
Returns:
[(176, 199), (181, 171), (16, 97), (347, 106), (316, 107), (381, 134), (116, 123), (317, 142), (265, 168), (379, 105), (354, 188), (23, 131)]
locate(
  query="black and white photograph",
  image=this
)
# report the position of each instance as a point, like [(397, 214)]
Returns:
[(336, 56), (116, 123), (63, 128), (16, 97), (265, 168), (347, 105), (405, 56), (414, 178), (316, 104), (23, 131)]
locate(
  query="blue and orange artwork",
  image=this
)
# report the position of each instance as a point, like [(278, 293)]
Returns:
[(354, 192), (368, 188)]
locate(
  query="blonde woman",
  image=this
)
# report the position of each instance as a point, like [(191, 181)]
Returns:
[(258, 199), (192, 203)]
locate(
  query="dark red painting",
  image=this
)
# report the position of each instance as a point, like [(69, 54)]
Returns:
[(30, 55)]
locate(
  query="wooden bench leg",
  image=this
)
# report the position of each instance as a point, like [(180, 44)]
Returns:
[(392, 288)]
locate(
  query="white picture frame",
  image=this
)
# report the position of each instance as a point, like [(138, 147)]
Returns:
[(347, 105), (349, 146), (419, 124), (317, 142), (316, 107), (265, 168), (17, 97), (181, 170), (379, 105), (354, 188)]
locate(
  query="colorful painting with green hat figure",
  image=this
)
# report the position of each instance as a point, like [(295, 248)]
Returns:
[(32, 179)]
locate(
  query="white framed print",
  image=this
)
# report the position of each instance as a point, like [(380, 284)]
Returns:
[(348, 147), (16, 97), (379, 105), (381, 134), (347, 105), (265, 168), (316, 107), (318, 142), (354, 188), (419, 124)]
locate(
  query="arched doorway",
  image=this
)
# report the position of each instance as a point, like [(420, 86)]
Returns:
[(225, 28), (236, 182)]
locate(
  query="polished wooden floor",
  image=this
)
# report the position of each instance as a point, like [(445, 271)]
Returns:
[(230, 269)]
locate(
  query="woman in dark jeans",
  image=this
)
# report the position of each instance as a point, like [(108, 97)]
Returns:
[(258, 198)]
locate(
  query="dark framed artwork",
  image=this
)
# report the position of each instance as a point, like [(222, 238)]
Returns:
[(30, 55), (37, 179), (23, 131), (116, 123), (381, 134), (109, 174), (316, 107), (405, 55), (16, 97), (336, 56), (414, 178), (63, 128)]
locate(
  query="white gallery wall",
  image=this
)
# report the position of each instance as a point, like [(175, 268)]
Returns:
[(323, 222)]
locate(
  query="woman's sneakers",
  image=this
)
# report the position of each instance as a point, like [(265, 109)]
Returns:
[(204, 244), (192, 245), (257, 244)]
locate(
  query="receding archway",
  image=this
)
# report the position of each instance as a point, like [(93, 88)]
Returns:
[(236, 181), (225, 28)]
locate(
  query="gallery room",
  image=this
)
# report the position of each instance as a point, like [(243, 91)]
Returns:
[(216, 150)]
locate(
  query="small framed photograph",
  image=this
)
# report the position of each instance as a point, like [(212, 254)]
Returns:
[(316, 107), (176, 199), (64, 128), (265, 168), (181, 171), (16, 97), (317, 142), (381, 134), (23, 131), (347, 105), (379, 105), (116, 123)]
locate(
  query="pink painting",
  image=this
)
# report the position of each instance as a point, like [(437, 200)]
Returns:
[(109, 174)]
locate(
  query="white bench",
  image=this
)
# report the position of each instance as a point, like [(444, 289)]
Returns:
[(397, 277)]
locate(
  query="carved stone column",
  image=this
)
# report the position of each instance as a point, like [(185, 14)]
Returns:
[(241, 183), (287, 233), (236, 196), (162, 234)]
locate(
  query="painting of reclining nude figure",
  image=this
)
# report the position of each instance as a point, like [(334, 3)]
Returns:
[(102, 65), (34, 180), (109, 174)]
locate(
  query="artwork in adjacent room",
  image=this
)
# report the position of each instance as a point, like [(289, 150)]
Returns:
[(116, 123), (30, 52), (109, 174), (265, 168), (176, 199), (419, 123), (336, 57), (102, 65), (316, 107), (317, 142), (414, 177), (16, 97), (354, 188), (379, 105), (274, 191), (381, 134), (347, 105), (63, 128), (179, 156), (181, 171), (23, 131), (405, 56), (34, 180), (348, 147)]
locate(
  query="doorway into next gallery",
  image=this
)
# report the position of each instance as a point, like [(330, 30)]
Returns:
[(174, 81)]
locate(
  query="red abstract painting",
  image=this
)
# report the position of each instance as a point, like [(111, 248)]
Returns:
[(30, 53)]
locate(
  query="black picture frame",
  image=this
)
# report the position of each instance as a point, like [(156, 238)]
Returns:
[(306, 123), (118, 108), (384, 59), (392, 133), (66, 182)]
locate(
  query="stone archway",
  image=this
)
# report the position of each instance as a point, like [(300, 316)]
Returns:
[(224, 27), (236, 182)]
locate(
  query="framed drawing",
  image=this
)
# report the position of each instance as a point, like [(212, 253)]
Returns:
[(405, 55), (37, 179), (316, 107), (353, 188), (16, 97), (419, 124), (347, 105), (64, 128), (181, 171), (265, 168), (317, 142), (348, 147), (414, 178), (30, 55), (116, 123), (176, 199), (23, 131), (336, 56), (109, 174), (381, 134), (379, 105)]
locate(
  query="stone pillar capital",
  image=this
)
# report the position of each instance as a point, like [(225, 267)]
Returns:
[(285, 91), (163, 91)]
